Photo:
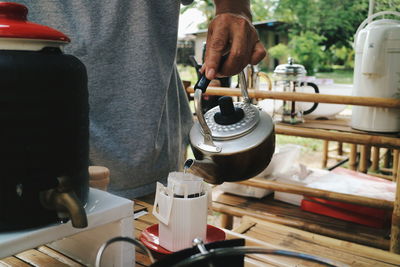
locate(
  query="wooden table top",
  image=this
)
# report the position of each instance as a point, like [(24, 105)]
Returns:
[(254, 231), (47, 257)]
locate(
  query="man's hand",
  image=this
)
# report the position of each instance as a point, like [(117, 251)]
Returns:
[(231, 31)]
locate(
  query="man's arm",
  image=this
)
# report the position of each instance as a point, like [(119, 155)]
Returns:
[(232, 31)]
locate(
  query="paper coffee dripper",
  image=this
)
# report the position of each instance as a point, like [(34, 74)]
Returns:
[(181, 209)]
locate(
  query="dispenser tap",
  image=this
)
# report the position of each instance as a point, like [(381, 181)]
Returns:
[(63, 199)]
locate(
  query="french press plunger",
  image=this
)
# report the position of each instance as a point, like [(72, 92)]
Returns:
[(290, 78)]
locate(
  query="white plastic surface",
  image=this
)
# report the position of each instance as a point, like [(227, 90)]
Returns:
[(103, 210)]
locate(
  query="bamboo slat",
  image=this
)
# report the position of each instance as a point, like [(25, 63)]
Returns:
[(301, 241), (58, 256), (271, 207), (243, 227), (353, 157), (307, 191), (248, 262), (13, 262), (270, 259), (375, 159), (307, 97), (395, 163), (303, 225), (364, 158), (325, 153), (383, 176), (328, 242), (294, 240), (386, 159), (340, 148), (353, 138), (395, 232), (37, 258)]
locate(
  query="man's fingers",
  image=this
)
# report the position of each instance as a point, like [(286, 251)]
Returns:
[(258, 53), (217, 43), (239, 54), (236, 34)]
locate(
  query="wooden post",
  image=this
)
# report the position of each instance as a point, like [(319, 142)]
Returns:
[(395, 232), (340, 148), (375, 159), (99, 177), (386, 159), (364, 159), (395, 163), (353, 157), (325, 153), (226, 221)]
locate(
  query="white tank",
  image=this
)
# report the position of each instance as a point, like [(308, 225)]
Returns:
[(377, 72)]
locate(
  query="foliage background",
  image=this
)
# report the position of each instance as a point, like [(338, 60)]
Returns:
[(321, 32)]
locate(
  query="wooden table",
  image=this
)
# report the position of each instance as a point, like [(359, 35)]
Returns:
[(256, 233), (47, 257), (278, 212)]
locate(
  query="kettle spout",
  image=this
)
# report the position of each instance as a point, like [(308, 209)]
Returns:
[(63, 200), (205, 169)]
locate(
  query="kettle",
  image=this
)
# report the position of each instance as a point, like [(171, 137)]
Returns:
[(376, 72), (233, 141)]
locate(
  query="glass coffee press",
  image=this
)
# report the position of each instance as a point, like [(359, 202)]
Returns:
[(290, 78)]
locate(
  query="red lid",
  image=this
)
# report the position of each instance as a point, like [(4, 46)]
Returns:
[(14, 24)]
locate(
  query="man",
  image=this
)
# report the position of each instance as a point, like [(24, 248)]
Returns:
[(139, 114)]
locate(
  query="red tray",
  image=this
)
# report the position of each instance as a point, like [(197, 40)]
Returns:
[(149, 237)]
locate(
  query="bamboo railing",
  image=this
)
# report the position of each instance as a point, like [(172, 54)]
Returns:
[(307, 97)]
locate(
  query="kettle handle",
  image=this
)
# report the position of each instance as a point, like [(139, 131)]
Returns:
[(200, 88), (208, 144), (203, 82)]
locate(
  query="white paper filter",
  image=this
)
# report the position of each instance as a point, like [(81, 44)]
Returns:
[(183, 218)]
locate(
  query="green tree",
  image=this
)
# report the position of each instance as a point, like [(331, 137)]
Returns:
[(304, 48), (328, 23), (336, 20), (206, 7), (261, 10)]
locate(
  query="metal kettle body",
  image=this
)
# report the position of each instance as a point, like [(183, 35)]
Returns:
[(377, 72), (231, 149)]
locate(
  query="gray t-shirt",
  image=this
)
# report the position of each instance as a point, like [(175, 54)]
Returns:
[(139, 113)]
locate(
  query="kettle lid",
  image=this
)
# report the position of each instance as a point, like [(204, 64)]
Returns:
[(14, 24), (290, 69), (231, 125)]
